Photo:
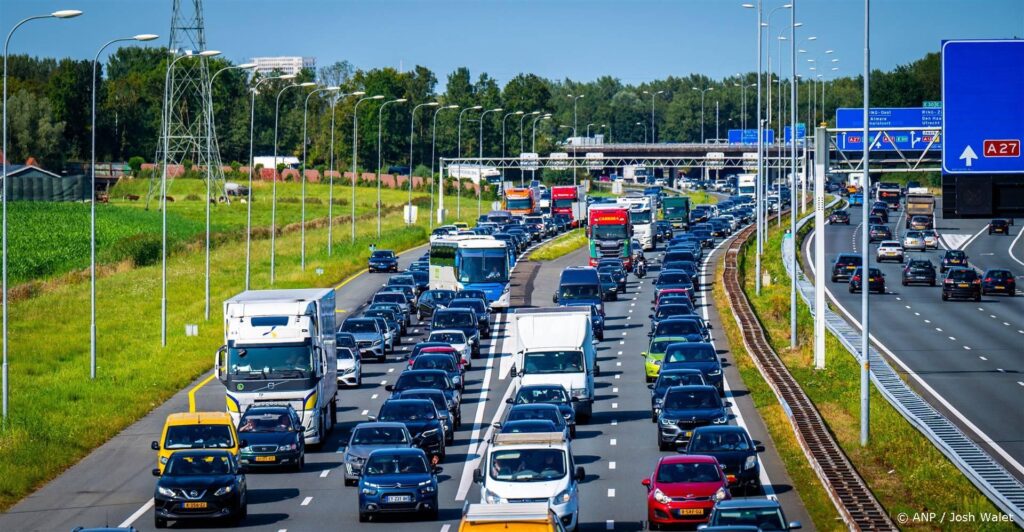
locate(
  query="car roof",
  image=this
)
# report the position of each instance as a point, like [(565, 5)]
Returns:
[(748, 503), (688, 459), (202, 452), (379, 424), (534, 406), (399, 450), (721, 428), (199, 418)]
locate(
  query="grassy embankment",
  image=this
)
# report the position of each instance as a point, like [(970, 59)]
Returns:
[(57, 415), (563, 245), (901, 466)]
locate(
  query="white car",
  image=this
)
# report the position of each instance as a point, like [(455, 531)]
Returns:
[(931, 239), (889, 250), (350, 368), (456, 339), (914, 240)]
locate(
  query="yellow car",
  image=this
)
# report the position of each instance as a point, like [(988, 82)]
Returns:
[(196, 430), (510, 517), (655, 354)]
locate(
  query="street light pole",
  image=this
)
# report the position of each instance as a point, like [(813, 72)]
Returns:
[(273, 203), (865, 362), (92, 202), (355, 155), (330, 186), (522, 173), (380, 151), (440, 179), (644, 126), (305, 141), (412, 131), (792, 172), (533, 148), (248, 204), (574, 100), (480, 177), (702, 93), (517, 113), (458, 155), (654, 136), (759, 195)]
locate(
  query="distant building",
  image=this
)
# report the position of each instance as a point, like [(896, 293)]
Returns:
[(283, 64)]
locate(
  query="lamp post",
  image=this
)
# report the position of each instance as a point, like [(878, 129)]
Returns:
[(355, 155), (458, 154), (575, 99), (305, 141), (516, 113), (533, 148), (273, 202), (758, 196), (644, 126), (330, 186), (702, 93), (609, 131), (248, 205), (433, 157), (209, 179), (865, 361), (480, 177), (654, 137), (380, 148), (522, 173), (743, 96), (412, 131), (92, 202)]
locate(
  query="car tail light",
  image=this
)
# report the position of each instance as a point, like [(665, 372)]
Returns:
[(988, 279), (976, 281), (856, 278), (948, 281)]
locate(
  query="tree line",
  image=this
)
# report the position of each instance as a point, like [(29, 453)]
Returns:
[(49, 109)]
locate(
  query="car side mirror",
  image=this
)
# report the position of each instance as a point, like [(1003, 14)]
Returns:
[(154, 445), (597, 370), (242, 444), (795, 525), (156, 472), (478, 476), (554, 298), (574, 399), (727, 404), (709, 326), (438, 470), (390, 387), (646, 482), (650, 316), (650, 386), (759, 448), (301, 428), (580, 474), (512, 372), (643, 354), (722, 359), (371, 418), (510, 401)]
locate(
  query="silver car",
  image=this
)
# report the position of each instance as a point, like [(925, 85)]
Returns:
[(931, 239), (368, 437), (350, 368), (368, 336), (914, 240)]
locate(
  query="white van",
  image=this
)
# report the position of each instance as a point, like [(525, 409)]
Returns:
[(532, 468)]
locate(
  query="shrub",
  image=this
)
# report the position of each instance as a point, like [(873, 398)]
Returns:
[(141, 249)]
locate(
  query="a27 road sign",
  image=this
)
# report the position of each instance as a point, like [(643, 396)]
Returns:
[(983, 106)]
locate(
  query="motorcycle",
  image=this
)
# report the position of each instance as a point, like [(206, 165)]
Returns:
[(640, 269)]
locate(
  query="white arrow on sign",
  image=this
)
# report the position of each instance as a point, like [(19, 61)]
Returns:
[(968, 155)]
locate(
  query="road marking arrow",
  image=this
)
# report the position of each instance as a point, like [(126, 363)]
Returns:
[(968, 155)]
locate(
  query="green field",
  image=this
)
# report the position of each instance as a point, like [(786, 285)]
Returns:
[(563, 245)]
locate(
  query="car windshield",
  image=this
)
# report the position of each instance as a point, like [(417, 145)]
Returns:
[(443, 362), (849, 259), (194, 466), (962, 275), (668, 380), (387, 315), (437, 296), (999, 274), (659, 345), (762, 518), (521, 413), (454, 319), (277, 361), (679, 473), (578, 291), (690, 353), (407, 411), (519, 204), (483, 266), (421, 380), (553, 362), (359, 326), (475, 305), (198, 437), (955, 254), (542, 395), (692, 399), (718, 441), (914, 234), (345, 340), (674, 278), (390, 297), (640, 217), (395, 464), (679, 327), (345, 353), (528, 465), (665, 311), (447, 337), (266, 422), (383, 254), (920, 264), (608, 232), (378, 436)]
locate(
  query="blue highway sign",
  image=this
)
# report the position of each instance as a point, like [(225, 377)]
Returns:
[(983, 98), (801, 132), (881, 117), (749, 136), (891, 140)]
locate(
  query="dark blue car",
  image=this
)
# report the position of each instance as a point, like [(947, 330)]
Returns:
[(398, 481), (683, 409), (695, 355), (383, 260)]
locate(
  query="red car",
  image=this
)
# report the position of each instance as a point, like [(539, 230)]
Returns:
[(683, 489)]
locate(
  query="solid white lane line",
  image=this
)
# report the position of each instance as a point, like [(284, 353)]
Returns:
[(138, 513), (306, 501)]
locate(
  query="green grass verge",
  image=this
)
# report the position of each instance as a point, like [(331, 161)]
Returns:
[(900, 465), (58, 415), (563, 245)]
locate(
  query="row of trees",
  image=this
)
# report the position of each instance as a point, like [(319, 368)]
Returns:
[(50, 102)]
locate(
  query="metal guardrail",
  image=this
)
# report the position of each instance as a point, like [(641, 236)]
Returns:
[(988, 475)]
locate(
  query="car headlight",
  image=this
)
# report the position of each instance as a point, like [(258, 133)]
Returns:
[(721, 494), (656, 362), (720, 419), (750, 462), (563, 497), (378, 342), (224, 491), (163, 460), (491, 497), (166, 492), (668, 422), (369, 491), (661, 497), (578, 392), (289, 447), (427, 486), (715, 372), (428, 433), (658, 401)]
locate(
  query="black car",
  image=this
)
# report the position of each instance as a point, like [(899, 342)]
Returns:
[(550, 394), (839, 217), (275, 437), (420, 276), (843, 267), (919, 271), (432, 300), (464, 320), (609, 288), (383, 260), (953, 258), (664, 312), (999, 281), (667, 379), (479, 307), (398, 297), (879, 232), (200, 484), (961, 283), (617, 271), (684, 409), (421, 418), (437, 379), (876, 280), (440, 403), (735, 451), (881, 212), (999, 225)]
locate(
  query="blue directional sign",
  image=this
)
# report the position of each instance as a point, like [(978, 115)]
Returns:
[(983, 95), (801, 133), (882, 117), (749, 136), (891, 140)]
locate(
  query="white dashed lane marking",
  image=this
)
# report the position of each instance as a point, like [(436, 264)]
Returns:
[(611, 465), (611, 492), (983, 358), (324, 473), (306, 501)]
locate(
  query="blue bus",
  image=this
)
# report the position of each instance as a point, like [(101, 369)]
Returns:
[(472, 262)]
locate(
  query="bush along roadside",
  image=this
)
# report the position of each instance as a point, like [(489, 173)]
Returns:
[(561, 246), (903, 469)]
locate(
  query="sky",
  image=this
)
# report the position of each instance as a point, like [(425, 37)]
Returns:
[(632, 40)]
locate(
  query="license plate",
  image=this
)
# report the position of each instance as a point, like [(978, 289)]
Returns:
[(688, 433), (851, 267), (266, 458), (691, 511), (194, 505), (399, 498), (963, 285), (1000, 287)]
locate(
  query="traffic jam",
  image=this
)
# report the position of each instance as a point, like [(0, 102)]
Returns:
[(449, 326)]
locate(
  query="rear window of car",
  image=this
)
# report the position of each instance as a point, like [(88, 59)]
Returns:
[(845, 260), (955, 254), (963, 275), (920, 264)]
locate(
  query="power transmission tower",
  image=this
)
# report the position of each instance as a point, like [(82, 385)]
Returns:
[(188, 106)]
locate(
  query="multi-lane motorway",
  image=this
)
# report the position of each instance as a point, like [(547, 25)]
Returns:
[(113, 485), (963, 356)]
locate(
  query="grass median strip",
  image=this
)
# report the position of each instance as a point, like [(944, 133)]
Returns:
[(902, 468), (563, 245)]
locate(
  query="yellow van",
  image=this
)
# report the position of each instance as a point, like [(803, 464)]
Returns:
[(518, 517), (196, 430)]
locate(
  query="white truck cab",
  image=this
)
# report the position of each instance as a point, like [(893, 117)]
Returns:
[(532, 468)]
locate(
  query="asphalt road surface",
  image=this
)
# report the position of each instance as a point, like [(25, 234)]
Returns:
[(113, 486)]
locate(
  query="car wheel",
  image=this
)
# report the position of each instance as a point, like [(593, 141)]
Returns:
[(852, 290), (363, 518), (945, 297), (834, 279), (159, 523), (359, 379), (662, 446), (243, 512), (977, 297), (351, 481), (931, 283), (904, 283)]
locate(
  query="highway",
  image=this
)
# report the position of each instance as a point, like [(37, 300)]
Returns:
[(113, 486), (962, 356)]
